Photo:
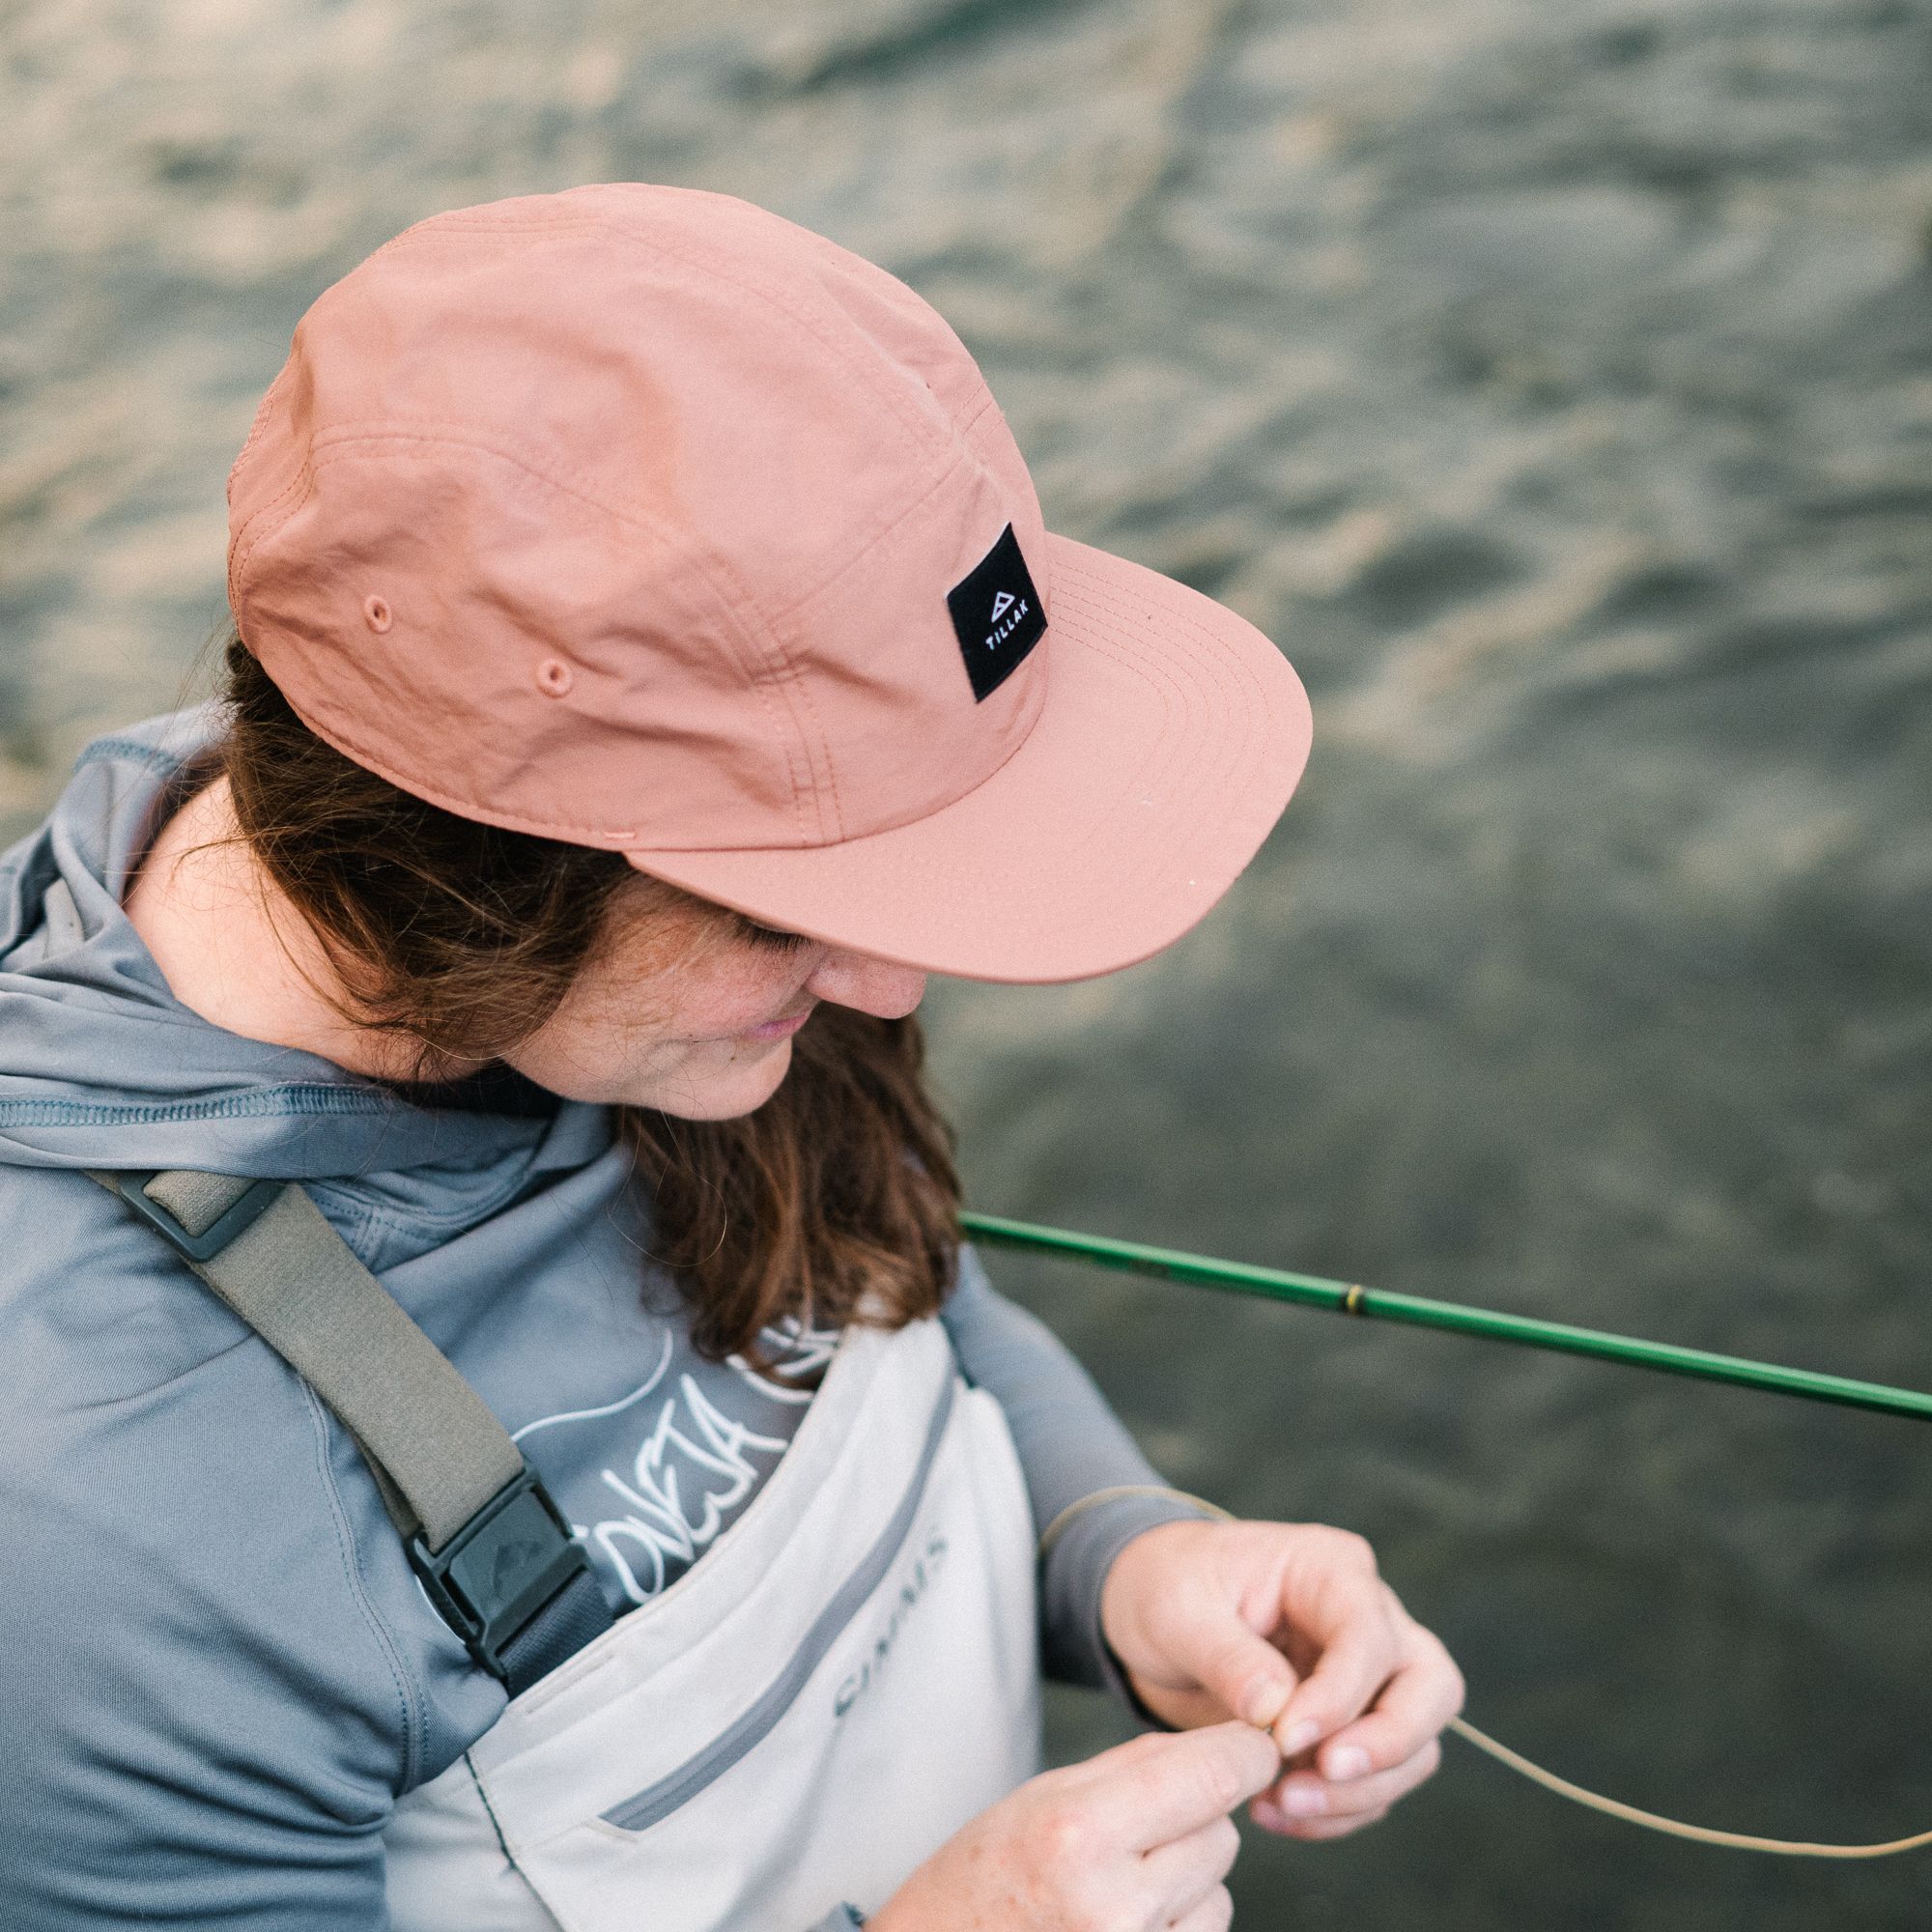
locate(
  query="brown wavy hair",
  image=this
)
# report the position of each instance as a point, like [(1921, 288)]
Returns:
[(461, 939)]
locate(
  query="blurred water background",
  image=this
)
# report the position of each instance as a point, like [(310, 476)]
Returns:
[(1555, 383)]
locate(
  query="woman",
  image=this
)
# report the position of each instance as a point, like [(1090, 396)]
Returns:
[(649, 663)]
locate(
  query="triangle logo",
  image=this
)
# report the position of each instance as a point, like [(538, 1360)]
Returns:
[(996, 615)]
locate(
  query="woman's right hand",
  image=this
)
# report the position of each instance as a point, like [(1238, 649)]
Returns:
[(1137, 1839)]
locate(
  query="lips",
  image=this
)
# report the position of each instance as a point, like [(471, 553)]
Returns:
[(777, 1028)]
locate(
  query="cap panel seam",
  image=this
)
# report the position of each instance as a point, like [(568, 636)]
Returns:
[(611, 837), (781, 628), (459, 435), (262, 414), (598, 217), (965, 424), (919, 432), (917, 429), (889, 529), (341, 439), (798, 683), (703, 556), (1139, 656), (725, 271), (791, 676), (338, 445), (251, 537), (884, 831), (463, 435), (419, 232)]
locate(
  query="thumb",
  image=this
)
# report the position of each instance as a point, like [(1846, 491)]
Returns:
[(1248, 1675)]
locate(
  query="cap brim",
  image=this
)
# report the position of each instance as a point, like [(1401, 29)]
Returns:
[(1171, 736)]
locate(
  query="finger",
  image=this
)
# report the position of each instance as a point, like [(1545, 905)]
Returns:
[(1178, 1876), (1358, 1656), (1313, 1829), (1170, 1786), (1305, 1794), (1240, 1669), (1424, 1692), (1183, 1710), (1214, 1914)]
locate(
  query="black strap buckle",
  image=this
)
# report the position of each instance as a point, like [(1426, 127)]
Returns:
[(510, 1560), (249, 1206)]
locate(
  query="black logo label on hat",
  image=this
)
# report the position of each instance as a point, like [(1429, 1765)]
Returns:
[(997, 614)]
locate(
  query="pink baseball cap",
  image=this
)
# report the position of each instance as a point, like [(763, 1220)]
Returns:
[(640, 518)]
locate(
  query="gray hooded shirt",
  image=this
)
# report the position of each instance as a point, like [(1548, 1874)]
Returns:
[(219, 1672)]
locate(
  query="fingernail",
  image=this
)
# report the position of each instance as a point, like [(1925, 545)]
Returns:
[(1351, 1761), (1299, 1737), (1303, 1801), (1269, 1818)]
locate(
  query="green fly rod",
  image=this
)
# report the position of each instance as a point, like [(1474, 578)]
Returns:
[(1341, 1297)]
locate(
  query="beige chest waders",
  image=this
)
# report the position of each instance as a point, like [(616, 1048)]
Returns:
[(848, 1676)]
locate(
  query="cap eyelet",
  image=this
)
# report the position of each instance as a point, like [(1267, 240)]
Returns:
[(554, 677), (376, 614)]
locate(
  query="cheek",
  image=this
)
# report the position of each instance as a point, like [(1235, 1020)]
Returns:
[(686, 1017), (733, 997), (596, 1032), (577, 1066)]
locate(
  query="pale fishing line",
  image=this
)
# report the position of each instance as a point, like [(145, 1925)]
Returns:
[(1351, 1299)]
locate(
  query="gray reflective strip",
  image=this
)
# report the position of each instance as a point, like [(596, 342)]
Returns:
[(660, 1799)]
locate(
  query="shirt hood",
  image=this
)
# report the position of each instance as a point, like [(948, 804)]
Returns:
[(101, 1066)]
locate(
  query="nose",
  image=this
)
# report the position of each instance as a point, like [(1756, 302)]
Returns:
[(874, 986)]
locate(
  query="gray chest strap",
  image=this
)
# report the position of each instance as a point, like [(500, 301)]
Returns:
[(492, 1551)]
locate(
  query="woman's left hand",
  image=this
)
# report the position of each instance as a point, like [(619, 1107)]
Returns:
[(1290, 1627)]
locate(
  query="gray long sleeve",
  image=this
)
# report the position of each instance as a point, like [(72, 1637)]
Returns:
[(1070, 1444)]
